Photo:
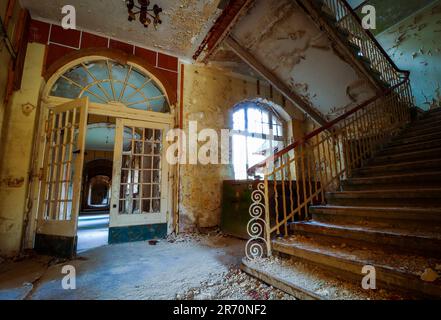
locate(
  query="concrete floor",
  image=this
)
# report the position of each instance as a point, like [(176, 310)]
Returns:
[(93, 231), (126, 271)]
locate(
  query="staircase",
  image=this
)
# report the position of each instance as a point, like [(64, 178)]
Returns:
[(365, 188), (345, 27), (387, 215)]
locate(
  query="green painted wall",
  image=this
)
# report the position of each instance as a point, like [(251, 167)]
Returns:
[(415, 44)]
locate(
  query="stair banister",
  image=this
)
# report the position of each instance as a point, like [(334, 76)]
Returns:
[(301, 174)]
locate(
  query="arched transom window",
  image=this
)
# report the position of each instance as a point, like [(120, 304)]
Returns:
[(107, 81), (257, 134)]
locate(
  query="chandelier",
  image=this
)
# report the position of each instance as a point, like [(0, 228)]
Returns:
[(146, 15)]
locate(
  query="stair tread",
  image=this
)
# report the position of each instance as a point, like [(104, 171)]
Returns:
[(307, 281), (431, 137), (370, 254), (387, 193), (407, 153), (371, 228), (409, 163), (394, 176), (380, 209), (423, 142)]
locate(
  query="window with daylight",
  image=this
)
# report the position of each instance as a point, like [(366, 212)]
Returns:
[(257, 134), (107, 81)]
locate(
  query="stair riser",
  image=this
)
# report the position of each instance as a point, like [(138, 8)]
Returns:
[(404, 157), (428, 177), (427, 122), (416, 140), (391, 214), (406, 168), (410, 148), (433, 112), (390, 186), (351, 270), (411, 224), (413, 133), (413, 203), (410, 244)]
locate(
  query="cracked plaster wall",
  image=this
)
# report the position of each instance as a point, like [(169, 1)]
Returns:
[(17, 145), (209, 96), (282, 37), (414, 44)]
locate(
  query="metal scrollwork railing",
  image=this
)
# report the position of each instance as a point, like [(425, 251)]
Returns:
[(300, 175), (257, 245)]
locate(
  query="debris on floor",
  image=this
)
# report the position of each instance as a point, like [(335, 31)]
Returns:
[(429, 275), (234, 285), (316, 282)]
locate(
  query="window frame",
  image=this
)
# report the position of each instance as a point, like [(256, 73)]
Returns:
[(272, 114)]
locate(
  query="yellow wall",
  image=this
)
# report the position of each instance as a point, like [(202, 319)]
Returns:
[(15, 150), (209, 97)]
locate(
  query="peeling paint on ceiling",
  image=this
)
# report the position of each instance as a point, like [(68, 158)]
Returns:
[(291, 46), (185, 22)]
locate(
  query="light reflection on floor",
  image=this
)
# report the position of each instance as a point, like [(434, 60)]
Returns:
[(93, 231)]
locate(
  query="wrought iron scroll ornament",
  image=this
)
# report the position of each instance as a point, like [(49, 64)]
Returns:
[(256, 246)]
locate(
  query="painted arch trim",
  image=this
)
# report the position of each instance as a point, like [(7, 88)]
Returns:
[(70, 60)]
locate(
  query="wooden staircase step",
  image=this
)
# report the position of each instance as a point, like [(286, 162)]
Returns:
[(308, 281), (416, 132), (389, 198), (421, 145), (425, 216), (429, 118), (435, 111), (426, 123), (427, 242), (393, 270), (406, 156), (405, 141), (430, 179), (400, 167)]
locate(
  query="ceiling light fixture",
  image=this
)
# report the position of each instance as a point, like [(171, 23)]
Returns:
[(146, 14)]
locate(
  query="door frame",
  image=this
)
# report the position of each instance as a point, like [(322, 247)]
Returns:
[(136, 227), (46, 102), (58, 236), (117, 111)]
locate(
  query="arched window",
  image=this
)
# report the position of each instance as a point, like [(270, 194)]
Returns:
[(106, 81), (257, 134)]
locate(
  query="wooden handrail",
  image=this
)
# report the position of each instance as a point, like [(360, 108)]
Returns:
[(327, 126)]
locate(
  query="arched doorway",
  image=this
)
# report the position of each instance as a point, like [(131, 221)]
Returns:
[(97, 184), (134, 106)]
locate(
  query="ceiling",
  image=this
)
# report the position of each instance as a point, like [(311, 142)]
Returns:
[(185, 22)]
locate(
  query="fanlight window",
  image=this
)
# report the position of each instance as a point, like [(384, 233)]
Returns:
[(106, 81)]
